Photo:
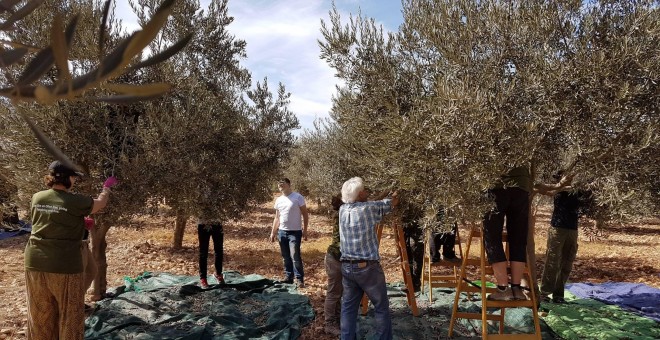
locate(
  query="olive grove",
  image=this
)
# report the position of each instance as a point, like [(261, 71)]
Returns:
[(465, 90), (209, 146)]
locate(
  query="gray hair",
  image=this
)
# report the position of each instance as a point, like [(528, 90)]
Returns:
[(351, 189)]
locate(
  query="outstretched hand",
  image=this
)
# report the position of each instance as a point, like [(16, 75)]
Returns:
[(566, 181), (110, 182), (395, 199)]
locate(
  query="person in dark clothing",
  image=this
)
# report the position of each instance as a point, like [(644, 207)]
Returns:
[(208, 229), (413, 235), (447, 242), (511, 198), (562, 243), (414, 238)]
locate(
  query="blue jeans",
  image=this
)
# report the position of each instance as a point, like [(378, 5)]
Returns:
[(290, 248), (370, 280)]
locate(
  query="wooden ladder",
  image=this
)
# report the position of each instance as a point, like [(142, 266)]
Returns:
[(405, 268), (464, 285), (439, 280)]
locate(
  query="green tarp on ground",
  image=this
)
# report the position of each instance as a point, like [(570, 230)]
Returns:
[(165, 306), (433, 321), (591, 319), (578, 319)]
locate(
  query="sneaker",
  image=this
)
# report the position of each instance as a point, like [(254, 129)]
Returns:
[(518, 293), (204, 284), (300, 284), (219, 278), (545, 298), (287, 280), (558, 299), (452, 259), (501, 295), (332, 329)]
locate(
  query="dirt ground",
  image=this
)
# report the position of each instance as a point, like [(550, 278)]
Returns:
[(627, 253)]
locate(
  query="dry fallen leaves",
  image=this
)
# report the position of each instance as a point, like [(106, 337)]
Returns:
[(133, 250)]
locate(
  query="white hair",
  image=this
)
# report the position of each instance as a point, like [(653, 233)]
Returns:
[(351, 189)]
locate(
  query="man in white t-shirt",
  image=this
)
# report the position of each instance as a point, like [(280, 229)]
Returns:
[(289, 208)]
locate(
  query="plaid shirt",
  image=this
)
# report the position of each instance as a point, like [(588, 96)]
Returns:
[(357, 229)]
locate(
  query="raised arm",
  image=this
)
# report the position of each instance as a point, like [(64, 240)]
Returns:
[(102, 200), (551, 189)]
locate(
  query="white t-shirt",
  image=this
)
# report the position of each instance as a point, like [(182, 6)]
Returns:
[(289, 208)]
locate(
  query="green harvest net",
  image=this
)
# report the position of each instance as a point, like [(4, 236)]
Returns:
[(165, 306)]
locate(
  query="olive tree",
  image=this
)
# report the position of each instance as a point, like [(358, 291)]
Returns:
[(466, 90), (221, 141), (85, 119)]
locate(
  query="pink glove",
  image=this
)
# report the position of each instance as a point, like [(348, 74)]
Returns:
[(110, 182), (89, 223)]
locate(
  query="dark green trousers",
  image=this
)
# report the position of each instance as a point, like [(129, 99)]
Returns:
[(559, 257)]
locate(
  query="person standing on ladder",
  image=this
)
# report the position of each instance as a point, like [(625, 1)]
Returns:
[(511, 196)]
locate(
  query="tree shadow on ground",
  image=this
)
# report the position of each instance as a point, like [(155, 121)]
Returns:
[(16, 242), (602, 269), (639, 230)]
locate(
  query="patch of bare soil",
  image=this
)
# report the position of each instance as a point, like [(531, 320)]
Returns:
[(626, 253)]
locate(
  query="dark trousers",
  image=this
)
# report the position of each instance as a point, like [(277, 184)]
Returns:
[(560, 254), (415, 249), (204, 233), (512, 203), (445, 240)]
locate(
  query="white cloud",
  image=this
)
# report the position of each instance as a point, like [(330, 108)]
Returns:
[(282, 45)]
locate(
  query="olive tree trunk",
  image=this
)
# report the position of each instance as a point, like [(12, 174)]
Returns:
[(179, 229), (99, 246)]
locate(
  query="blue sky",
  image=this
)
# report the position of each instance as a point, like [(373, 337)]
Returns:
[(281, 38)]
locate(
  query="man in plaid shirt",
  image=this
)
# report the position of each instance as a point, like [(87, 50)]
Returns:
[(360, 266)]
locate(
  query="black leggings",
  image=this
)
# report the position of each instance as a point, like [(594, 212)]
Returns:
[(204, 236), (514, 204), (445, 240)]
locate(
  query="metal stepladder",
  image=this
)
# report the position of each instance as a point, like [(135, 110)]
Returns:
[(465, 285), (438, 280), (405, 268)]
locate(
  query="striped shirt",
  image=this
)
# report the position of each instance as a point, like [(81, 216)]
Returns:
[(357, 229)]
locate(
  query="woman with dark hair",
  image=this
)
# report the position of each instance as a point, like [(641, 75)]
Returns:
[(53, 258)]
